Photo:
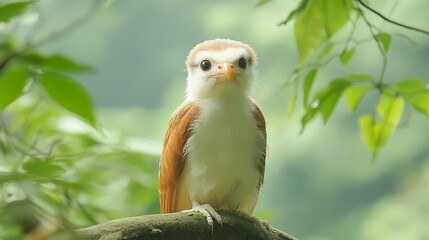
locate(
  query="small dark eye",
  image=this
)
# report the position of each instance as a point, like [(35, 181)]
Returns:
[(205, 65), (242, 63)]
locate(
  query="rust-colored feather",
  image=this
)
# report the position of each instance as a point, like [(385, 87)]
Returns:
[(172, 162), (260, 123)]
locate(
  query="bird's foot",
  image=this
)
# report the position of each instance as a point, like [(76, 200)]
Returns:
[(209, 212)]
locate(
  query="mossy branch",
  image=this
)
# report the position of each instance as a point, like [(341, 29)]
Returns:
[(178, 226)]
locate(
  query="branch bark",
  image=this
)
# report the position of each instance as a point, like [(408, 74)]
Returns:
[(181, 226)]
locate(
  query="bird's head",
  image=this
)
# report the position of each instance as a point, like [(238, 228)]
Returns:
[(220, 68)]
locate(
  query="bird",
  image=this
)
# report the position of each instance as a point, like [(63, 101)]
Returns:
[(214, 147)]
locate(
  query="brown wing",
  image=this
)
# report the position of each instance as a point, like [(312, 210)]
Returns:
[(172, 162), (260, 123)]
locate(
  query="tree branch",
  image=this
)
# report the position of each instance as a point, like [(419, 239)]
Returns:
[(391, 21), (181, 226)]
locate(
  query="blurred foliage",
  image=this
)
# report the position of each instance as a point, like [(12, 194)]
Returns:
[(54, 156), (320, 28)]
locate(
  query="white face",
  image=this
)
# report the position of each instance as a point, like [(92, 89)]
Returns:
[(220, 73)]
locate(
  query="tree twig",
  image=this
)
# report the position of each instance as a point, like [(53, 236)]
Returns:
[(53, 35), (391, 21), (380, 48), (71, 26)]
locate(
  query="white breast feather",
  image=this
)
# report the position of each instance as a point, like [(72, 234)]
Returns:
[(222, 154)]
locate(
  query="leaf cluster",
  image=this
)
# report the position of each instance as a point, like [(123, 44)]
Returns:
[(56, 161), (316, 25)]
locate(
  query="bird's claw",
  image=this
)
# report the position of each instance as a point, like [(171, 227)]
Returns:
[(209, 212)]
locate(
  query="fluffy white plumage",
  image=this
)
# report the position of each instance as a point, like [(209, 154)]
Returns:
[(201, 85), (222, 156)]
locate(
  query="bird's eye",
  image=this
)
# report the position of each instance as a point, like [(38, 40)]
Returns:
[(242, 63), (205, 65)]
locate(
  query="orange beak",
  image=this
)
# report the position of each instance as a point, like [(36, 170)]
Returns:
[(228, 71), (225, 72)]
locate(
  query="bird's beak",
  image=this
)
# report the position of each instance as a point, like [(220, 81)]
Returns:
[(228, 71), (225, 73)]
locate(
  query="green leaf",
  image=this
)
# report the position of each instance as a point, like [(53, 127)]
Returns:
[(15, 177), (376, 133), (108, 3), (63, 63), (360, 77), (68, 94), (410, 86), (385, 40), (420, 102), (31, 58), (308, 82), (328, 97), (328, 105), (11, 10), (7, 46), (43, 168), (367, 132), (309, 30), (291, 105), (390, 108), (69, 184), (295, 13), (12, 82), (354, 94), (262, 2), (336, 15), (346, 55), (325, 101), (308, 116), (56, 62), (416, 93)]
